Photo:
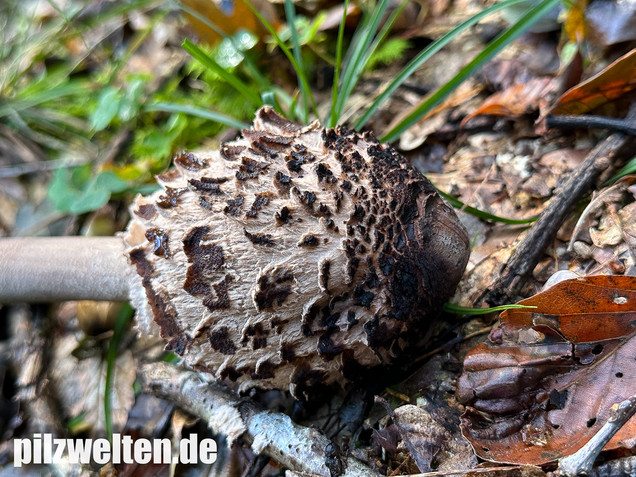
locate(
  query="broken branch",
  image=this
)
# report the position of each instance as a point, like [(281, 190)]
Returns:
[(531, 249), (274, 434)]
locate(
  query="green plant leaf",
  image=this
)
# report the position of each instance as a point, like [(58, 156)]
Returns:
[(91, 199), (251, 67), (201, 56), (629, 168), (463, 310), (131, 101), (387, 53), (25, 100), (504, 39), (196, 111), (108, 102), (77, 192), (110, 181), (458, 204)]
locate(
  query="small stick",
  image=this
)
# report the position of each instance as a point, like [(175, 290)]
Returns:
[(582, 461), (298, 448), (63, 268), (531, 249), (624, 126)]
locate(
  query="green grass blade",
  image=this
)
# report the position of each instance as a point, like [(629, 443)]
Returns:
[(18, 103), (333, 116), (425, 55), (629, 168), (486, 54), (300, 73), (290, 13), (464, 310), (458, 204), (201, 56), (357, 54), (361, 64), (196, 111), (263, 82)]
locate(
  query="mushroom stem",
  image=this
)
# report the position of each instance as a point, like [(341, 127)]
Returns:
[(63, 268)]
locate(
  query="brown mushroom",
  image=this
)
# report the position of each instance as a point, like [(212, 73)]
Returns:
[(293, 257)]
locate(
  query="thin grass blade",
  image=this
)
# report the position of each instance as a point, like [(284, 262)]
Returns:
[(263, 82), (18, 104), (300, 73), (464, 310), (356, 55), (333, 115), (290, 13), (202, 57), (426, 54), (486, 54), (196, 111), (458, 204)]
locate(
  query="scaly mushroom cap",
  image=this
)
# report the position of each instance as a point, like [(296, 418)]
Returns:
[(293, 257)]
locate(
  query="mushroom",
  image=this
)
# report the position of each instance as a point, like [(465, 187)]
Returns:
[(294, 257)]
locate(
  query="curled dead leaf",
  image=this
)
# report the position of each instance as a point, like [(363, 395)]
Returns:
[(518, 99), (545, 381), (609, 85)]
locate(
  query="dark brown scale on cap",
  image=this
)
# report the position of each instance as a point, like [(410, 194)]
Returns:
[(159, 238), (234, 205), (146, 211), (260, 239), (171, 197), (321, 257), (190, 162), (260, 201), (231, 153)]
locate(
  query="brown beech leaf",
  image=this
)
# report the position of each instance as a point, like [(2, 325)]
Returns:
[(543, 384), (613, 82)]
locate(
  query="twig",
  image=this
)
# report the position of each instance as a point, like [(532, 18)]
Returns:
[(582, 461), (274, 434), (531, 249), (63, 268), (624, 126)]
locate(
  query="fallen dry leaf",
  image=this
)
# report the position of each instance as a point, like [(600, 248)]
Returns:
[(543, 384), (604, 239), (518, 99), (81, 384), (429, 439), (613, 82)]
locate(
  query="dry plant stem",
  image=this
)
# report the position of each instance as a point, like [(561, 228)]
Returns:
[(582, 461), (591, 122), (274, 434), (62, 268), (581, 181)]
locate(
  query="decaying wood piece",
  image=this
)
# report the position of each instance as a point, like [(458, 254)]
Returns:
[(540, 236), (274, 434), (293, 257)]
